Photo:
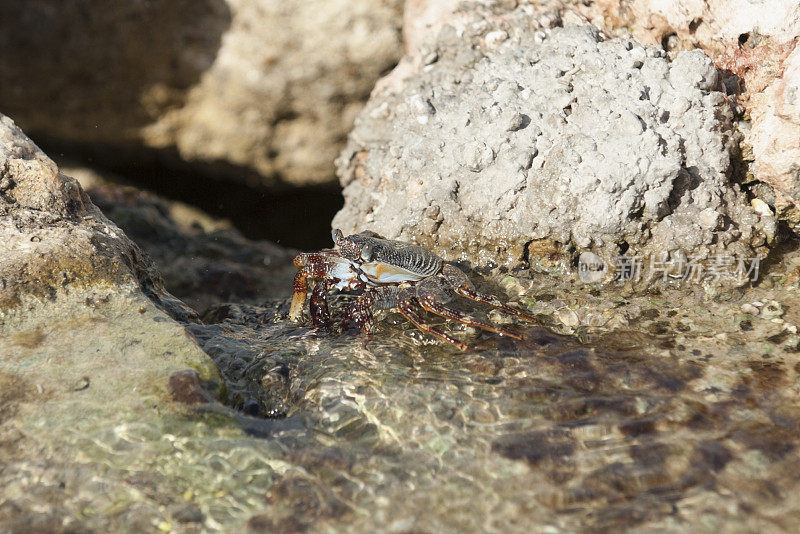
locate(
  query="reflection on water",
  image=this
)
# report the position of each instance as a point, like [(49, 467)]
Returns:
[(404, 434)]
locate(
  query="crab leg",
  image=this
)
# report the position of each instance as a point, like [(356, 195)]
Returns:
[(405, 302), (362, 310), (310, 265), (434, 293), (461, 285), (318, 305), (450, 313)]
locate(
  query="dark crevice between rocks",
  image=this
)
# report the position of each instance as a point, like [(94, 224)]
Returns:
[(670, 42), (255, 383), (295, 217), (186, 387), (385, 72)]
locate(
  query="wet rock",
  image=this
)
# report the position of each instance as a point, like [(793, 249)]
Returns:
[(89, 365), (103, 425), (589, 143), (259, 91), (187, 513), (750, 309), (185, 386), (637, 428)]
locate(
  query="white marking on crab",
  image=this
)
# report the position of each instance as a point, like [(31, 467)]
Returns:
[(343, 274), (383, 273)]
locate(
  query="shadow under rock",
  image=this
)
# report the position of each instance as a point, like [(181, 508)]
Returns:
[(81, 71), (202, 263)]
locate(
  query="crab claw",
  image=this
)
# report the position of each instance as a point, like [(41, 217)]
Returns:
[(327, 265), (337, 236)]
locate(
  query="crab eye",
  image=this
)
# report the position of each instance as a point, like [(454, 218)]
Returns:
[(337, 236), (366, 253)]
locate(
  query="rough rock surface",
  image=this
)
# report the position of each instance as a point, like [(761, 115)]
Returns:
[(264, 91), (670, 411), (680, 413), (506, 135), (53, 237), (93, 373), (712, 25), (91, 382), (750, 41), (775, 137)]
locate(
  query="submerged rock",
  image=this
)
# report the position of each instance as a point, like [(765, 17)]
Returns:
[(677, 417), (548, 136)]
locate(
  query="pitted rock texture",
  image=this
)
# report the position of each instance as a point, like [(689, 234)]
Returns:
[(93, 375), (511, 136), (712, 25), (258, 91), (750, 41), (53, 240)]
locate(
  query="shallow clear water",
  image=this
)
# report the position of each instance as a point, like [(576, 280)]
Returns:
[(403, 433)]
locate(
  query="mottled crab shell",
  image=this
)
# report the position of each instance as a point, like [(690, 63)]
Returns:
[(383, 261)]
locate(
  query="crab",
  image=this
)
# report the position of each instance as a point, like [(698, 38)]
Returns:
[(392, 274)]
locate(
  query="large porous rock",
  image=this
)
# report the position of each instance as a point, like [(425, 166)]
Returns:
[(263, 91), (751, 43), (506, 135)]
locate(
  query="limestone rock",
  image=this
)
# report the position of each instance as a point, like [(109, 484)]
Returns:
[(548, 134), (775, 136), (53, 238), (752, 43), (711, 25), (93, 372)]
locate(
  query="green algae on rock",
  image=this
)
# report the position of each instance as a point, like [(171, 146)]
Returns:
[(95, 429)]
